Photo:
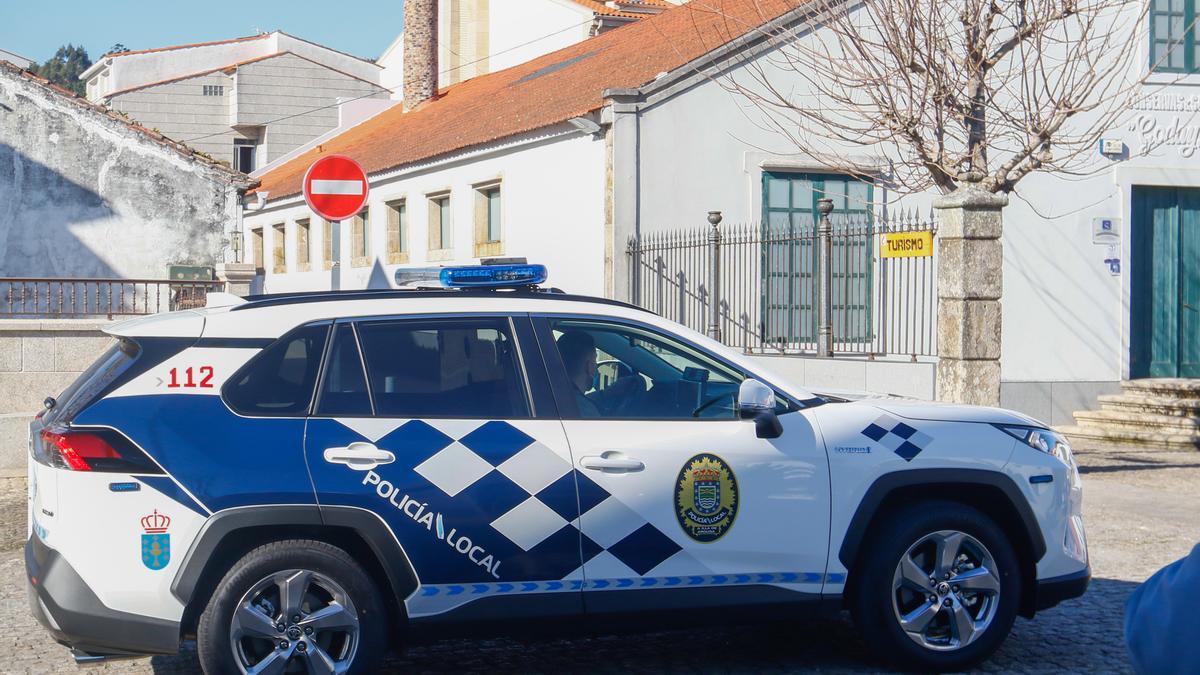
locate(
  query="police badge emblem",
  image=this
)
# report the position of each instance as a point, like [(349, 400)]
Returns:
[(706, 498), (156, 542)]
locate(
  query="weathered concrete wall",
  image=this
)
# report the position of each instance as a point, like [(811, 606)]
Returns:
[(84, 194), (39, 359)]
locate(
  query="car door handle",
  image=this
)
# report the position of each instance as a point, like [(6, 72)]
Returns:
[(611, 461), (360, 456)]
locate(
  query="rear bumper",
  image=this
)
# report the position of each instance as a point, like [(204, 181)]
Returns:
[(1050, 592), (61, 601)]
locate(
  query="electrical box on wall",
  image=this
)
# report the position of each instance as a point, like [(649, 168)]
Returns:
[(1106, 230), (1112, 146)]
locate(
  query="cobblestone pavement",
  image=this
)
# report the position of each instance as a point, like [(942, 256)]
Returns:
[(1140, 509)]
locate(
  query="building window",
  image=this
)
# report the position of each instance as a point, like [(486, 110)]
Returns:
[(1173, 35), (790, 256), (278, 256), (327, 244), (256, 249), (441, 223), (360, 239), (397, 232), (243, 155), (487, 221), (303, 253), (214, 90)]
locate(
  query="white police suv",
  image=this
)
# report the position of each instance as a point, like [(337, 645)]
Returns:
[(297, 480)]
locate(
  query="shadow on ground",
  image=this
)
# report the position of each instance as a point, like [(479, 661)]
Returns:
[(1079, 635)]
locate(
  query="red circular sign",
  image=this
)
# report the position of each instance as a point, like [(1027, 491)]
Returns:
[(335, 187)]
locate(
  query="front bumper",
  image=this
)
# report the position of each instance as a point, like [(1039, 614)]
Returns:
[(1052, 591), (67, 607)]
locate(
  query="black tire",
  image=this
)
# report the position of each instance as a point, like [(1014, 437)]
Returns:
[(213, 632), (871, 602)]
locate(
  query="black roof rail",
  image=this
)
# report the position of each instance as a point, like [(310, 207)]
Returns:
[(525, 293)]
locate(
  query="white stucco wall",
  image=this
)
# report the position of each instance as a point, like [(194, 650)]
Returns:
[(120, 72), (552, 194), (518, 31), (136, 70), (521, 32), (1066, 316)]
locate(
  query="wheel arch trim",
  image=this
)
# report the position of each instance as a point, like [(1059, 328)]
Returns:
[(886, 485), (396, 565)]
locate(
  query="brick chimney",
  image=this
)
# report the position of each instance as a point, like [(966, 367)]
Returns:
[(420, 51)]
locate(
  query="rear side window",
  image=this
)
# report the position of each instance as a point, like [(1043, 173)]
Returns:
[(460, 368), (93, 381), (345, 389), (280, 380)]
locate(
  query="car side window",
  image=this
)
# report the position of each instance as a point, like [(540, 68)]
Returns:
[(458, 368), (344, 391), (280, 379), (619, 371)]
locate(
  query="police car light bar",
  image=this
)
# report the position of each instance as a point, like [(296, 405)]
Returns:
[(477, 276)]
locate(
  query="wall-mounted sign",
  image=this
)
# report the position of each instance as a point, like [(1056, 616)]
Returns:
[(1106, 230), (907, 244)]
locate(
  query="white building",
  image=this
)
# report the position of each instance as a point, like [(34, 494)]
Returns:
[(246, 102), (15, 59), (482, 36), (561, 159)]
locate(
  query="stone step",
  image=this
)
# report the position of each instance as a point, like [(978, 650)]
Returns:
[(1098, 438), (1173, 387), (1122, 419), (1153, 405)]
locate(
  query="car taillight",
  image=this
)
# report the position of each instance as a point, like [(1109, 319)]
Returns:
[(94, 450)]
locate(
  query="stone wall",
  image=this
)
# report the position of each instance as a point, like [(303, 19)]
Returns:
[(86, 193), (39, 359)]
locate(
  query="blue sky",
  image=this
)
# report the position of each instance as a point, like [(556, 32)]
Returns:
[(36, 28)]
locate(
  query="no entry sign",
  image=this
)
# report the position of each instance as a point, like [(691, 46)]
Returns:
[(335, 187)]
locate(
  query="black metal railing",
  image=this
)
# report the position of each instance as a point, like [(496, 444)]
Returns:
[(768, 285), (94, 298)]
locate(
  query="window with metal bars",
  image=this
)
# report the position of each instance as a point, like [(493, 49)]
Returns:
[(789, 256)]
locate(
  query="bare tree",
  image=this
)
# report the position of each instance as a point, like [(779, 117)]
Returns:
[(940, 88)]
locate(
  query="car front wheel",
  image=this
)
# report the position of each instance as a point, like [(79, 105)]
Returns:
[(293, 607), (939, 587)]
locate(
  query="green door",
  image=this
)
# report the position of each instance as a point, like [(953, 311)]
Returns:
[(1165, 303), (789, 256)]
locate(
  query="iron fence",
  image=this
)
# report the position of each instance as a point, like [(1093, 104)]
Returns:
[(769, 281), (83, 298)]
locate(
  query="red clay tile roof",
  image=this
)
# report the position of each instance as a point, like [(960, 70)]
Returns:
[(599, 7), (547, 90)]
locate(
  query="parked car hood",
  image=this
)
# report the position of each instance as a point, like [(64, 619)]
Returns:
[(948, 412)]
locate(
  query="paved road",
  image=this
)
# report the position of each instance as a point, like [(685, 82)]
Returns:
[(1140, 510)]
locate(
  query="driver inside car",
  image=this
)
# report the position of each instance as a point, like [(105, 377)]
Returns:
[(578, 351)]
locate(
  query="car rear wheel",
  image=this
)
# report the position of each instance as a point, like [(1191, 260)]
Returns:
[(939, 587), (293, 607)]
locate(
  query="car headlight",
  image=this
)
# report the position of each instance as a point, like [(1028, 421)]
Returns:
[(1049, 442)]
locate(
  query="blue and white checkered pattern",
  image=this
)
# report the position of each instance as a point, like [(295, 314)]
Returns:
[(537, 494), (898, 437), (636, 582)]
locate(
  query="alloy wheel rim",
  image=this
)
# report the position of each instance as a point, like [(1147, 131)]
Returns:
[(294, 621), (946, 590)]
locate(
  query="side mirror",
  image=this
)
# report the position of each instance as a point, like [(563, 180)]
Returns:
[(756, 401)]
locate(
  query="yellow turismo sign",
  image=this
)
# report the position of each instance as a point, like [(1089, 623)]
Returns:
[(907, 244)]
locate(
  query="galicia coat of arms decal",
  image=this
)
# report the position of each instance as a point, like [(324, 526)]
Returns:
[(156, 542), (706, 498)]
